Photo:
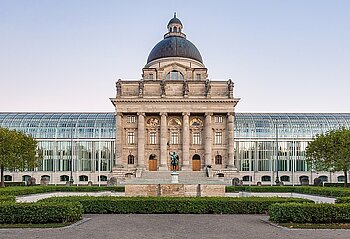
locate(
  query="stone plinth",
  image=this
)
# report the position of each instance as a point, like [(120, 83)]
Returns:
[(174, 177), (175, 190)]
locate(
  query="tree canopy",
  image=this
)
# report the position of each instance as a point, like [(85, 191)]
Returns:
[(18, 151), (331, 151)]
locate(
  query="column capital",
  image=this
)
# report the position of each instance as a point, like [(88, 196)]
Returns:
[(118, 113), (141, 114), (230, 114), (186, 113), (208, 113), (163, 114)]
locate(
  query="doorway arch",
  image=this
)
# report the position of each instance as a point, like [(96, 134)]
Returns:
[(152, 163), (196, 162)]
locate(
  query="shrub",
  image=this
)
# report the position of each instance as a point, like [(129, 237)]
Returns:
[(11, 213), (7, 199), (17, 191), (322, 191), (309, 213), (343, 200), (14, 184), (181, 205)]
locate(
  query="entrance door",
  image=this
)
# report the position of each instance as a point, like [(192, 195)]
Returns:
[(152, 163), (196, 163)]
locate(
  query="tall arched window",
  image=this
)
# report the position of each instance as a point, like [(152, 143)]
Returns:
[(131, 159), (174, 75), (218, 159)]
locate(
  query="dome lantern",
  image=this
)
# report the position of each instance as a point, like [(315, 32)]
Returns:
[(175, 28)]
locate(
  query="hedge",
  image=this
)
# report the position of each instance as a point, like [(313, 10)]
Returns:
[(309, 213), (17, 191), (343, 200), (169, 205), (11, 213), (322, 191), (7, 199)]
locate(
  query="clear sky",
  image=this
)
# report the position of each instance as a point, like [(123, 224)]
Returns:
[(284, 56)]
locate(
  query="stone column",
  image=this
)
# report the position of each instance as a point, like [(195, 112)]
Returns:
[(208, 137), (163, 142), (141, 140), (185, 141), (230, 140), (119, 140)]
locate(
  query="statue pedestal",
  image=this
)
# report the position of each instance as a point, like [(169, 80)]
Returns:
[(174, 177)]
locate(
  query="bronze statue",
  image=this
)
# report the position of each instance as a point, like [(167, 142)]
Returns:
[(174, 160)]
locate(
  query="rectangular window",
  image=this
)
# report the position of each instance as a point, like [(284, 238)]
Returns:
[(131, 119), (198, 76), (196, 138), (152, 138), (151, 76), (219, 119), (218, 138), (174, 138), (131, 138)]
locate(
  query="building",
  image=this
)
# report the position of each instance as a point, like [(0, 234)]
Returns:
[(174, 108)]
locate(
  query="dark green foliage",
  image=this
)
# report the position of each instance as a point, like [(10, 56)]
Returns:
[(17, 191), (343, 200), (14, 184), (182, 205), (7, 199), (309, 213), (322, 191), (11, 213)]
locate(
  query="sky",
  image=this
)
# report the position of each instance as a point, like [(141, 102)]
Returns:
[(284, 56)]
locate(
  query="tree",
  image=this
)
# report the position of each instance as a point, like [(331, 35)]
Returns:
[(331, 152), (18, 151)]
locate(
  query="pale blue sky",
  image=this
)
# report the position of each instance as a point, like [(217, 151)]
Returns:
[(284, 56)]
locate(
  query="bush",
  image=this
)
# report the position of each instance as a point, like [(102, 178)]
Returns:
[(17, 191), (322, 191), (309, 213), (14, 184), (343, 200), (181, 205), (7, 199), (11, 213)]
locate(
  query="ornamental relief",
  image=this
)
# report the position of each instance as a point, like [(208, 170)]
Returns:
[(196, 122), (174, 122), (153, 122)]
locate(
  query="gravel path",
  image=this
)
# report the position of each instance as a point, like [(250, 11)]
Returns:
[(173, 226)]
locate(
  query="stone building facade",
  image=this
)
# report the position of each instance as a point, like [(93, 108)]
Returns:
[(174, 108)]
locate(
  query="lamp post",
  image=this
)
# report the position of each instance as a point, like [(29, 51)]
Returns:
[(277, 181)]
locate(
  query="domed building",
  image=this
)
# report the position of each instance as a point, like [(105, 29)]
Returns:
[(174, 108)]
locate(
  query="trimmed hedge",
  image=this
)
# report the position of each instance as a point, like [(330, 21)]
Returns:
[(7, 199), (11, 213), (17, 191), (309, 213), (322, 191), (169, 205), (343, 200)]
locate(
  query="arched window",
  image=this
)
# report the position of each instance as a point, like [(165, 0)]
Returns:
[(25, 178), (247, 178), (175, 29), (8, 178), (83, 178), (45, 177), (341, 178), (103, 178), (218, 159), (266, 178), (64, 178), (323, 178), (131, 159), (285, 178), (174, 75), (303, 178)]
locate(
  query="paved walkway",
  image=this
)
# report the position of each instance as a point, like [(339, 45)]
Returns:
[(173, 226)]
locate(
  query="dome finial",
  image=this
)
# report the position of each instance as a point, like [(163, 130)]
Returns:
[(174, 14)]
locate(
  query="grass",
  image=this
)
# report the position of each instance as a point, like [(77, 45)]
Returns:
[(29, 225), (315, 225)]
